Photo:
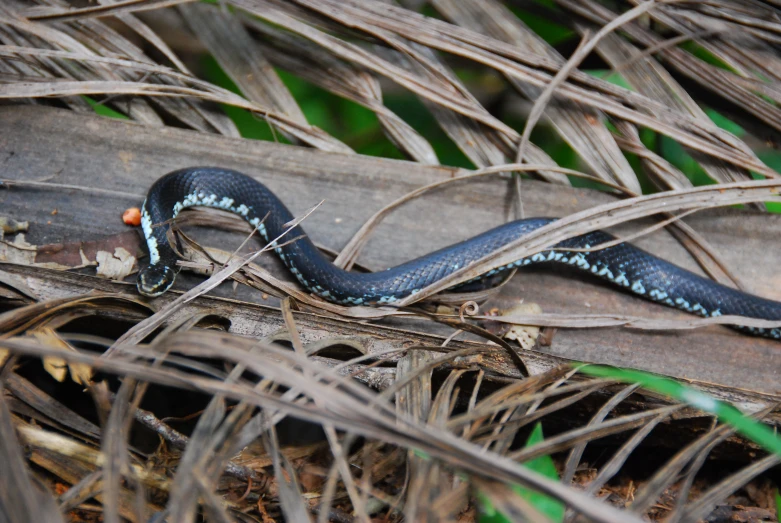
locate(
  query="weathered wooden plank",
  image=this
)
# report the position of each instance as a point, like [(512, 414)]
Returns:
[(62, 147), (254, 320)]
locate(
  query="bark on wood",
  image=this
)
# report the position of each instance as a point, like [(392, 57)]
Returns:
[(44, 144)]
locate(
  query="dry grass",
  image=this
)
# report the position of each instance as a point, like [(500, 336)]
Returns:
[(412, 431)]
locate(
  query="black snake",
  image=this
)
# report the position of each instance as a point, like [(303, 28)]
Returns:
[(623, 265)]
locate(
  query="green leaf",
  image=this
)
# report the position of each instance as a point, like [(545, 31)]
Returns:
[(778, 506), (609, 76), (547, 505), (548, 30), (545, 466), (705, 55), (104, 110), (675, 153), (724, 122), (758, 432)]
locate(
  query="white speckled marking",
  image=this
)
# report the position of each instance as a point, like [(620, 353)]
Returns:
[(606, 272), (657, 294), (638, 287), (151, 241), (580, 260), (621, 280), (682, 303)]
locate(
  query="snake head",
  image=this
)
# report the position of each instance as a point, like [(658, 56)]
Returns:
[(154, 280)]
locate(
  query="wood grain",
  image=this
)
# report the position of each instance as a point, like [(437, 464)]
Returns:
[(257, 321), (53, 145)]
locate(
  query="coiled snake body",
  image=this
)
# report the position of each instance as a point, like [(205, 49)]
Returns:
[(623, 265)]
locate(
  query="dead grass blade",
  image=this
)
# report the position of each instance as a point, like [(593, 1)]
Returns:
[(587, 321), (577, 452), (55, 413), (483, 145), (506, 427), (337, 450), (376, 18), (578, 126), (651, 79), (628, 180), (666, 474), (21, 498), (703, 253), (384, 21), (345, 410), (239, 56), (413, 423), (600, 430), (503, 401), (604, 216), (613, 466), (350, 252), (18, 320), (724, 83), (704, 504), (508, 503), (143, 329), (317, 65)]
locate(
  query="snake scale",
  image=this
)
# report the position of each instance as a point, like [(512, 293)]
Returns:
[(624, 265)]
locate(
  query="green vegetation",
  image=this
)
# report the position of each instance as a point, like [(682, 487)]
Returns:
[(756, 431), (546, 505)]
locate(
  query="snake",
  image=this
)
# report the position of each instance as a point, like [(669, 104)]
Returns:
[(624, 265)]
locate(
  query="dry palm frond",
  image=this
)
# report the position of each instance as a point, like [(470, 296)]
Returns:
[(412, 428)]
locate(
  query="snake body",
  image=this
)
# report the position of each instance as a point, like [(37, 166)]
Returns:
[(623, 265)]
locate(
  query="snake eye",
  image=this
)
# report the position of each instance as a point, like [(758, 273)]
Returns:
[(154, 280)]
